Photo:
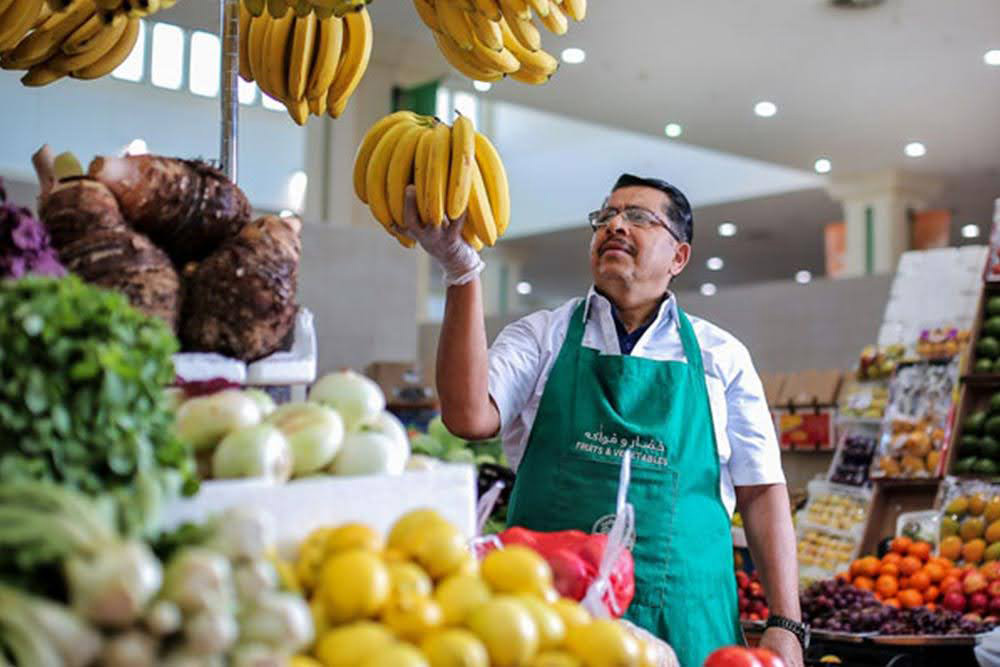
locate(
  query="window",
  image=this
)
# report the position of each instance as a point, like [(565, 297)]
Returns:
[(247, 92), (203, 68), (449, 101), (271, 103), (132, 67), (168, 56)]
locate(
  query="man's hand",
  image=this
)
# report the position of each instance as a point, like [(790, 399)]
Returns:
[(785, 645), (458, 260)]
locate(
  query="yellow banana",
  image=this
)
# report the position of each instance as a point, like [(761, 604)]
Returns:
[(400, 172), (44, 41), (486, 31), (82, 35), (17, 21), (41, 75), (530, 76), (101, 43), (470, 237), (317, 105), (420, 169), (556, 21), (488, 8), (480, 212), (518, 8), (275, 48), (376, 175), (255, 47), (523, 30), (404, 241), (302, 8), (465, 61), (114, 57), (324, 67), (454, 23), (254, 7), (353, 63), (500, 61), (495, 179), (536, 62), (463, 155), (277, 8), (463, 5), (575, 9), (322, 13), (437, 174), (298, 110), (301, 56), (246, 18), (4, 4), (427, 14), (541, 7), (368, 144)]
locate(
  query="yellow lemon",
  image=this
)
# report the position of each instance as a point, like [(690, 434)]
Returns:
[(507, 629), (394, 556), (455, 648), (516, 569), (312, 554), (318, 612), (555, 659), (353, 585), (603, 643), (458, 595), (571, 612), (441, 551), (551, 629), (397, 655), (348, 645), (408, 531), (413, 619), (409, 581), (303, 661), (351, 536)]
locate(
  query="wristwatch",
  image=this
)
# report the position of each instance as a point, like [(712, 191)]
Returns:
[(800, 630)]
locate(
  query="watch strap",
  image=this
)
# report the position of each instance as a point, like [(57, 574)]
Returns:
[(800, 630)]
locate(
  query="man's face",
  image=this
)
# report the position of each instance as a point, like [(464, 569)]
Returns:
[(646, 258)]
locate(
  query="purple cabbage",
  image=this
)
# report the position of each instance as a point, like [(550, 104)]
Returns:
[(24, 243)]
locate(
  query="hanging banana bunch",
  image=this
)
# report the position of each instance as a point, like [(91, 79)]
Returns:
[(487, 40), (311, 64), (135, 9), (324, 9), (80, 39), (455, 170)]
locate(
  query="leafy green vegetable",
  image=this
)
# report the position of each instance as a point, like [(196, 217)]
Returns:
[(82, 403)]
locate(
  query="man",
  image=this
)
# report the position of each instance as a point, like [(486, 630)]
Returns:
[(570, 389)]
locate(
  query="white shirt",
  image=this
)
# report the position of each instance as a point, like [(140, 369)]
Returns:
[(523, 355)]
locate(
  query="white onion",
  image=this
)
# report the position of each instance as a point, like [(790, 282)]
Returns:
[(205, 420), (355, 397), (388, 425), (314, 433), (366, 453), (258, 451)]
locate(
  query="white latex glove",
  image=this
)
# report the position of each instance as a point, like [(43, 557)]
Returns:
[(459, 261)]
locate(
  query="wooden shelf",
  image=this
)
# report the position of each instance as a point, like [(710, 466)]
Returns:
[(982, 379)]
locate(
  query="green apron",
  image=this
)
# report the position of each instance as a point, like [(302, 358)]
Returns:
[(594, 407)]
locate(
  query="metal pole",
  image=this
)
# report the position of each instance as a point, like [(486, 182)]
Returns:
[(229, 38)]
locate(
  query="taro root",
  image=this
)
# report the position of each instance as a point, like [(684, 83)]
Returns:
[(128, 262), (76, 207), (241, 300), (186, 207)]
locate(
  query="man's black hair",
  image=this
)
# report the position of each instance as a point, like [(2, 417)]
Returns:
[(678, 210)]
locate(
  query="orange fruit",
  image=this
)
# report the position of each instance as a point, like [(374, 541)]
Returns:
[(901, 545), (946, 563), (948, 581), (904, 582), (891, 602), (855, 568), (886, 586), (920, 581), (972, 552), (878, 596), (910, 598), (930, 606), (932, 593), (844, 576), (870, 566), (889, 569), (951, 547), (934, 571), (921, 550), (891, 557), (864, 583), (909, 565)]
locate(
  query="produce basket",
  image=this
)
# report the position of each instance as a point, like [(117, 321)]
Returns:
[(857, 441)]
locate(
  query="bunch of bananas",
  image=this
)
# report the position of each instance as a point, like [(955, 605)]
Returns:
[(82, 40), (488, 39), (311, 64), (323, 8), (136, 9), (455, 169)]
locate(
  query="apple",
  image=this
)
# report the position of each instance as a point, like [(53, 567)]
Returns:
[(978, 602), (955, 587), (767, 658), (974, 582), (742, 579), (733, 656), (953, 601), (994, 607), (991, 570), (754, 617), (993, 590), (756, 607), (755, 590), (765, 613), (744, 604)]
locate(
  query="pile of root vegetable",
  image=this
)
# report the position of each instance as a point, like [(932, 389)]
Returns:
[(176, 237)]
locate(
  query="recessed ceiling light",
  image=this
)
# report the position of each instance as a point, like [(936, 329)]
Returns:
[(970, 231), (482, 86), (673, 130), (803, 277), (915, 149), (136, 147), (708, 289), (823, 166), (765, 109), (992, 57), (727, 229), (573, 56), (286, 213), (523, 288), (715, 264)]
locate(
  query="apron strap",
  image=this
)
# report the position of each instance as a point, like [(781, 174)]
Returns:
[(692, 351)]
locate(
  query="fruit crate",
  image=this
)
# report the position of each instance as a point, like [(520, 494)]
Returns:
[(891, 498), (970, 521), (836, 508), (986, 327), (857, 440), (974, 450)]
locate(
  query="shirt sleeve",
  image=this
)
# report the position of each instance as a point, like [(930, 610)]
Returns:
[(515, 362), (756, 458)]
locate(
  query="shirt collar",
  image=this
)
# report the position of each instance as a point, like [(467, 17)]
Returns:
[(667, 313)]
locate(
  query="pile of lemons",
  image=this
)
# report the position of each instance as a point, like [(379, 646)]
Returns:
[(420, 598)]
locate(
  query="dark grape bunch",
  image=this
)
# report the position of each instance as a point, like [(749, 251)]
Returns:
[(855, 460), (837, 606)]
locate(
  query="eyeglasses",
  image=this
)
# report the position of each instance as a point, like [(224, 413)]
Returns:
[(636, 216)]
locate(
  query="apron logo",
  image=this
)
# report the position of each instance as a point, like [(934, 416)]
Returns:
[(603, 527), (648, 451)]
